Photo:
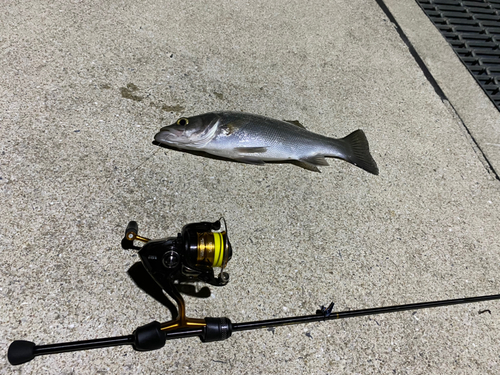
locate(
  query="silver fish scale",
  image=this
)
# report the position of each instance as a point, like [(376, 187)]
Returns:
[(256, 139), (248, 134)]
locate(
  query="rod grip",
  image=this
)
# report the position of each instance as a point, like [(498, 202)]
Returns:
[(217, 329), (21, 351), (149, 337)]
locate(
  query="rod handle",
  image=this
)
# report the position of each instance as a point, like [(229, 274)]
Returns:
[(21, 351), (217, 329), (149, 337)]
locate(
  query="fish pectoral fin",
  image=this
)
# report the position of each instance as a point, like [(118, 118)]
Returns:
[(249, 160), (250, 150)]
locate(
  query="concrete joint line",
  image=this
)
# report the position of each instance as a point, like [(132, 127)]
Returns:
[(430, 78)]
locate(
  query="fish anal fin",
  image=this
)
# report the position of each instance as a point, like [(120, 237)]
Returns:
[(306, 165), (249, 160), (316, 160)]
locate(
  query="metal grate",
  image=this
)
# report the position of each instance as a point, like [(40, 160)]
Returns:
[(473, 30)]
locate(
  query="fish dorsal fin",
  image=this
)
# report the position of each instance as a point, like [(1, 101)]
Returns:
[(296, 123)]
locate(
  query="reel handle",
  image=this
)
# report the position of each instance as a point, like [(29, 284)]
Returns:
[(131, 235)]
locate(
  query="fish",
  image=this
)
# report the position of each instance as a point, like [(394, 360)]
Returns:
[(255, 139)]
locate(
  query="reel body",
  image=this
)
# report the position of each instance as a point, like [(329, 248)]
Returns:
[(189, 257)]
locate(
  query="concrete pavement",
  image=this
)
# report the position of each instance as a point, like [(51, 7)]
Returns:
[(86, 85)]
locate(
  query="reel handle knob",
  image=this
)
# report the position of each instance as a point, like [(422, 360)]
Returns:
[(21, 351), (130, 236), (132, 226)]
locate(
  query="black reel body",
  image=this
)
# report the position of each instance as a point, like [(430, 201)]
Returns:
[(189, 257)]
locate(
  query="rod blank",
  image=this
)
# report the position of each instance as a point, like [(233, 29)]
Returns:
[(356, 313), (151, 337)]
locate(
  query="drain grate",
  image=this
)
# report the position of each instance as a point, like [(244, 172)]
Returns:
[(473, 30)]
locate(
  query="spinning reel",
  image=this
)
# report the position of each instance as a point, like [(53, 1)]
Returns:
[(189, 257), (170, 265), (165, 265)]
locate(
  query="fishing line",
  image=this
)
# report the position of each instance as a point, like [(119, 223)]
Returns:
[(112, 188), (142, 163)]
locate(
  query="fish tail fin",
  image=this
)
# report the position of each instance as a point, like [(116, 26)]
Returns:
[(358, 152)]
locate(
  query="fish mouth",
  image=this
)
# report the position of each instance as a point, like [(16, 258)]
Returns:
[(160, 137), (168, 136)]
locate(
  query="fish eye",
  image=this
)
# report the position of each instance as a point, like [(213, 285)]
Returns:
[(182, 121)]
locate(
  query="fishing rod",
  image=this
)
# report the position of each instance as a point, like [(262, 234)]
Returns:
[(171, 265)]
